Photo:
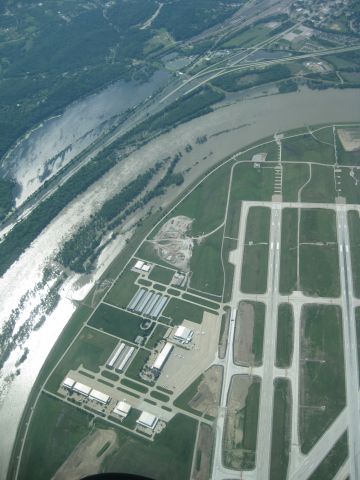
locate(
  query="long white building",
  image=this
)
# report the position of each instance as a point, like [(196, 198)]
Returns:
[(163, 356)]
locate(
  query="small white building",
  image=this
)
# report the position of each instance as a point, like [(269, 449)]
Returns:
[(68, 383), (183, 334), (147, 420), (139, 264), (99, 396), (82, 389), (146, 267), (122, 409), (163, 355)]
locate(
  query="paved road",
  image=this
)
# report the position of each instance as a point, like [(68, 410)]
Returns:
[(263, 450), (350, 343)]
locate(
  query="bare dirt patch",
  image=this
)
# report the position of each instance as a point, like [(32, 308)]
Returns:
[(203, 453), (244, 334), (173, 245), (88, 456), (238, 451), (207, 398), (350, 138)]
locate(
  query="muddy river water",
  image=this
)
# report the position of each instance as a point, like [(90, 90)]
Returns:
[(242, 121)]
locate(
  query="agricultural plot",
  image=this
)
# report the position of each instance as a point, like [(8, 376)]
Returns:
[(207, 273), (161, 274), (354, 234), (322, 377), (90, 350), (285, 335), (321, 187), (49, 443), (117, 322), (240, 437), (249, 333), (177, 310), (319, 259), (256, 251), (295, 175), (289, 251), (248, 183), (170, 455), (307, 148), (123, 289), (281, 430), (333, 460)]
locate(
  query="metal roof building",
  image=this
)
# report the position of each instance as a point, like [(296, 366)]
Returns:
[(82, 389), (99, 396), (183, 334), (122, 409), (115, 355), (147, 420), (163, 355), (68, 383), (139, 264)]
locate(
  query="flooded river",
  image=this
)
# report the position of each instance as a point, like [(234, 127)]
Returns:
[(55, 142), (239, 122)]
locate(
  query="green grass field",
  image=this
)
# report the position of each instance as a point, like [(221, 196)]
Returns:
[(156, 336), (350, 185), (281, 429), (248, 183), (317, 225), (117, 322), (306, 148), (178, 310), (354, 234), (294, 177), (91, 349), (169, 456), (322, 361), (288, 256), (161, 274), (212, 191), (321, 188), (248, 37), (319, 270), (285, 335), (49, 443), (136, 366), (183, 400), (202, 301), (228, 246), (333, 460), (256, 251), (123, 289), (205, 264)]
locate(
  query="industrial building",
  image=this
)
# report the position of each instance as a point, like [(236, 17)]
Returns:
[(163, 356), (122, 409), (147, 420), (99, 396), (148, 303), (68, 383), (120, 357), (144, 267), (183, 334), (82, 389)]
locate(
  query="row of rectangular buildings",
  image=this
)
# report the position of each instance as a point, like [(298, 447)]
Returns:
[(148, 303)]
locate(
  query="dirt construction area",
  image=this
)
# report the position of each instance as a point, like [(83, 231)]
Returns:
[(203, 453), (244, 334), (234, 424), (88, 456), (207, 398), (173, 245), (185, 365), (350, 138)]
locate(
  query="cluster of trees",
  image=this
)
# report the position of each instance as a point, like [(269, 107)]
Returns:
[(81, 251), (186, 18), (6, 196), (235, 81)]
